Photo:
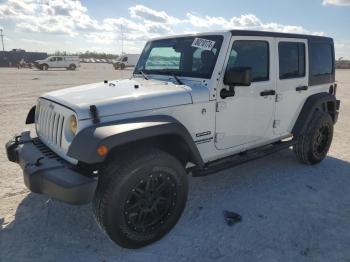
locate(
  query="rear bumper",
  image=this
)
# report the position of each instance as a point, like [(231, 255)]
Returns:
[(45, 172)]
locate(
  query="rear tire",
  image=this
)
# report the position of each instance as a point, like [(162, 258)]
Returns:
[(72, 67), (312, 147), (140, 197)]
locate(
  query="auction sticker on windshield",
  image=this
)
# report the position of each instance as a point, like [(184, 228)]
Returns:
[(203, 43)]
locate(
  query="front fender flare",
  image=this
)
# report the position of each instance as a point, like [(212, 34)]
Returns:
[(84, 145)]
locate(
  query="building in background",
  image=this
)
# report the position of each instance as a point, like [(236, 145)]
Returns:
[(13, 57)]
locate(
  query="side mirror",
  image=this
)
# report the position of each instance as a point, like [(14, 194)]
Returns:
[(238, 76)]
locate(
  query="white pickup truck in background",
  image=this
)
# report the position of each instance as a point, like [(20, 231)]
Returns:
[(68, 62)]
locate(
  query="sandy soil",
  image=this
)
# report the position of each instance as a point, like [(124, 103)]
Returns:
[(291, 212)]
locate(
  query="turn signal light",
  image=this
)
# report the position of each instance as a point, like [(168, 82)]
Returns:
[(102, 150)]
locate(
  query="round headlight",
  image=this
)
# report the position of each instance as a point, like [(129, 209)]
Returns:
[(73, 124)]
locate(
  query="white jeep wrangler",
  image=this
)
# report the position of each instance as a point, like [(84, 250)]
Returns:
[(68, 62), (196, 104)]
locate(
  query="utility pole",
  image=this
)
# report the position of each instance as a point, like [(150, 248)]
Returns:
[(122, 38), (2, 39)]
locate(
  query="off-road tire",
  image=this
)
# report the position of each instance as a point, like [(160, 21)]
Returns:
[(114, 197), (312, 146)]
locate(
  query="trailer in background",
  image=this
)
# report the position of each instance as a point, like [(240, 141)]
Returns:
[(13, 58)]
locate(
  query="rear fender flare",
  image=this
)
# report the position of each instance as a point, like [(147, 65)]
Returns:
[(321, 101)]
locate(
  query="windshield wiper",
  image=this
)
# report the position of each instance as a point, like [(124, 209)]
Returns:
[(144, 75), (170, 72)]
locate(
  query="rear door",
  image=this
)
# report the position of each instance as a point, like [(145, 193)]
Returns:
[(292, 82), (247, 116)]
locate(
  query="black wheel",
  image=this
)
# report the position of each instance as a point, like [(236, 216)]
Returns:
[(45, 67), (140, 197), (312, 147), (72, 67), (122, 66)]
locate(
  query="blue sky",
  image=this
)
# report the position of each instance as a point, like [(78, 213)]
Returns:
[(77, 26)]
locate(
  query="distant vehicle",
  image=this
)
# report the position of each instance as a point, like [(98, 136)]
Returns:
[(92, 60), (68, 62), (128, 60)]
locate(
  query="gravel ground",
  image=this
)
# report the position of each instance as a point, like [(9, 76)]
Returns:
[(290, 212)]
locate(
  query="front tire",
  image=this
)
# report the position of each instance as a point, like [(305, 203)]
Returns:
[(313, 146), (45, 67), (140, 197)]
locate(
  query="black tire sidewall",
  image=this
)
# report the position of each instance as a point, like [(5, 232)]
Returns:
[(115, 223), (322, 119)]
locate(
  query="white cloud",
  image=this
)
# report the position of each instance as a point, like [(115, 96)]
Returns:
[(246, 21), (48, 16), (71, 18), (33, 41), (336, 2), (144, 13)]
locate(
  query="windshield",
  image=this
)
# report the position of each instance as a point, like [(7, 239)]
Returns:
[(183, 56)]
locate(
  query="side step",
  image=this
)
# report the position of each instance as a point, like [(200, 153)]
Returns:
[(240, 158)]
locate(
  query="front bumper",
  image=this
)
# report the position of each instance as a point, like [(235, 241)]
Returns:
[(45, 172)]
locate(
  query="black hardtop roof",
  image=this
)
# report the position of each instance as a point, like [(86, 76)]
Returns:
[(313, 38)]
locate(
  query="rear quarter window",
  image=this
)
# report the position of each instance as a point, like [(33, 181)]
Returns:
[(321, 56), (321, 59)]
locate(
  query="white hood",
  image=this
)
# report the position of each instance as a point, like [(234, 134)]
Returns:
[(121, 96)]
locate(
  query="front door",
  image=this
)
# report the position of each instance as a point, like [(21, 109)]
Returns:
[(247, 117)]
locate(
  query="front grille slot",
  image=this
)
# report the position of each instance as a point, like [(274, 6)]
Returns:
[(47, 151), (50, 124)]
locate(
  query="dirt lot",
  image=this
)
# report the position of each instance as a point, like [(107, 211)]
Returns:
[(291, 212)]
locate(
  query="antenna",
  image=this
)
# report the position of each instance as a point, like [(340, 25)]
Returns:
[(2, 39)]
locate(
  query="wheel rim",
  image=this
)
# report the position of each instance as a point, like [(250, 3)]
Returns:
[(322, 140), (150, 202)]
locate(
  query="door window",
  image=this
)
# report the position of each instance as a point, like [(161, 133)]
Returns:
[(253, 54), (52, 59), (291, 60), (59, 59)]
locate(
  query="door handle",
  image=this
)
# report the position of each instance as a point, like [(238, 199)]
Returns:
[(301, 88), (268, 93)]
